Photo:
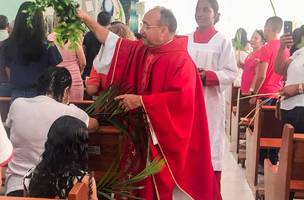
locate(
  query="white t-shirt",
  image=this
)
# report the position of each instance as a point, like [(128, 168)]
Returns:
[(295, 75), (30, 120)]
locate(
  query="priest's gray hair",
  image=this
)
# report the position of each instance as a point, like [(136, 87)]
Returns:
[(167, 18)]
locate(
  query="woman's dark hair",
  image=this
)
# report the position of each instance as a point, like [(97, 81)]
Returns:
[(297, 36), (261, 33), (54, 81), (26, 43), (241, 35), (64, 158)]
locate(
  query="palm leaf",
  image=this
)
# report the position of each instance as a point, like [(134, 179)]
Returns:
[(273, 8), (133, 125), (124, 188)]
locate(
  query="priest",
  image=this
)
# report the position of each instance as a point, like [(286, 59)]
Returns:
[(168, 87)]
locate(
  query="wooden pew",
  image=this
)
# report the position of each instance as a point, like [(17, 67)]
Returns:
[(78, 192), (288, 176), (241, 109), (267, 133), (104, 145), (5, 103), (229, 110)]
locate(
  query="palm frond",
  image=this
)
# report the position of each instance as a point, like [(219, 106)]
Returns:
[(124, 188), (118, 180), (273, 8)]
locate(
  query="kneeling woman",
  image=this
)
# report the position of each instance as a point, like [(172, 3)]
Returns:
[(30, 120), (64, 162)]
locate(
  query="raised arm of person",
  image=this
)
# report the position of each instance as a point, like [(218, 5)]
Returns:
[(281, 64), (100, 32)]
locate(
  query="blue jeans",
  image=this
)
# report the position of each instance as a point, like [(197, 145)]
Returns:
[(5, 89)]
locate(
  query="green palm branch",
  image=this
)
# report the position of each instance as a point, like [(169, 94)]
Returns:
[(70, 28), (236, 43), (273, 8), (133, 125), (111, 184)]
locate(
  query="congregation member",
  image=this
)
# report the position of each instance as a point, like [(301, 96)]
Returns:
[(292, 106), (64, 162), (167, 86), (30, 119), (92, 45), (6, 147), (73, 60), (3, 28), (23, 64), (257, 41), (297, 35), (266, 81), (214, 57), (95, 84)]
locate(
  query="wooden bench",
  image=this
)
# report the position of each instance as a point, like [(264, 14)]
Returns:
[(242, 109), (288, 175), (229, 110), (78, 192), (267, 133), (5, 103), (104, 146)]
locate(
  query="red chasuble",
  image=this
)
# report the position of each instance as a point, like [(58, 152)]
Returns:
[(172, 95)]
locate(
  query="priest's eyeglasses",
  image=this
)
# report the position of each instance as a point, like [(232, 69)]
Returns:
[(145, 26)]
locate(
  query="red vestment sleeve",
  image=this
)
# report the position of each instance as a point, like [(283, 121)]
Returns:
[(211, 78)]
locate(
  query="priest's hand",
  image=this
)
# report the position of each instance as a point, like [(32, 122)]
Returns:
[(82, 15), (129, 101)]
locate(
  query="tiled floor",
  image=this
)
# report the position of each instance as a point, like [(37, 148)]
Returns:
[(234, 185)]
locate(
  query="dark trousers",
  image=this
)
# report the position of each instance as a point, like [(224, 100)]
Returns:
[(271, 154), (295, 117), (16, 193)]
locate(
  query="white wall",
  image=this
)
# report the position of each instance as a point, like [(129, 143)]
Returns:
[(250, 14)]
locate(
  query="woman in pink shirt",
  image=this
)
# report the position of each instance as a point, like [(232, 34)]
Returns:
[(257, 41), (74, 61)]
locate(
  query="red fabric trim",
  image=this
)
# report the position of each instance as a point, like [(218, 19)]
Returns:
[(204, 36), (211, 78)]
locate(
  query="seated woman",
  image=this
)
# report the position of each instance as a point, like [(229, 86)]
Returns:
[(30, 120), (6, 149), (64, 162)]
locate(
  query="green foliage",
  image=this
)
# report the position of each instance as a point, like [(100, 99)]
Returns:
[(236, 43), (70, 28), (122, 185), (273, 8), (116, 181)]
